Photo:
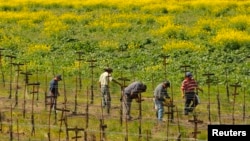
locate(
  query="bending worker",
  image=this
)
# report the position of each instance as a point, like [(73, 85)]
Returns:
[(131, 92)]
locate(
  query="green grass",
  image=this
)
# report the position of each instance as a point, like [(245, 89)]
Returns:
[(115, 129)]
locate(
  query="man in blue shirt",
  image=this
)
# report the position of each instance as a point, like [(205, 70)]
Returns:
[(53, 89), (160, 94)]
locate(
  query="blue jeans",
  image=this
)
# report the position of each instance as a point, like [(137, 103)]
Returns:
[(159, 110)]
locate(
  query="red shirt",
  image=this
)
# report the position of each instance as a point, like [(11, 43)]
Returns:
[(189, 85)]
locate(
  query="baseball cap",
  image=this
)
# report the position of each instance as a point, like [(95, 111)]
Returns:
[(167, 83), (144, 87), (108, 69), (59, 77), (189, 74)]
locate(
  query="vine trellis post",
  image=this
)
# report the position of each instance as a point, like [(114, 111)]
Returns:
[(185, 69), (18, 133), (140, 116), (209, 81), (62, 119), (11, 123), (76, 93), (178, 123), (218, 101), (91, 65), (1, 121), (33, 92), (235, 93), (45, 92), (196, 121), (227, 84), (17, 81), (1, 67), (11, 73), (244, 105), (26, 81), (79, 59), (102, 126), (37, 80), (165, 65), (123, 79), (87, 116), (76, 130)]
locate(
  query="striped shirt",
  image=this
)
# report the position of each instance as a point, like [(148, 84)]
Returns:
[(189, 85)]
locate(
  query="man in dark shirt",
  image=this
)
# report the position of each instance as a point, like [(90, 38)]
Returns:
[(131, 92), (53, 88)]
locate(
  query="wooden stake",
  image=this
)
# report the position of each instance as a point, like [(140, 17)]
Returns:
[(87, 117), (227, 85), (76, 130), (45, 92), (63, 119), (165, 64), (17, 81), (102, 126), (208, 81), (32, 112), (79, 68), (236, 85), (196, 122), (1, 67), (18, 134), (27, 74), (11, 123), (1, 124), (123, 79), (185, 67), (11, 62), (179, 128), (140, 115), (76, 91), (37, 88), (244, 105), (218, 103), (92, 79)]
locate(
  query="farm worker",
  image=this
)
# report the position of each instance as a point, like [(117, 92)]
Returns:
[(189, 87), (104, 80), (131, 92), (160, 96), (53, 89)]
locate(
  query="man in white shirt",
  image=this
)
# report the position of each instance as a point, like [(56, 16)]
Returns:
[(104, 80)]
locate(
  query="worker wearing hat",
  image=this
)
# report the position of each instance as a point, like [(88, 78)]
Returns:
[(131, 92), (160, 96), (53, 89), (104, 80), (189, 88)]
